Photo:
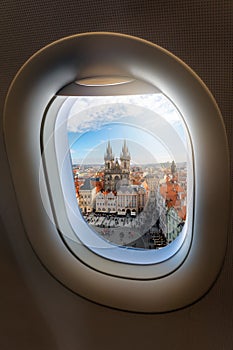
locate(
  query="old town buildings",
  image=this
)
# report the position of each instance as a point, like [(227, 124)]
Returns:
[(154, 197)]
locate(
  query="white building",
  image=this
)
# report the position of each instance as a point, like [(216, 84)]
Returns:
[(87, 194), (129, 199), (106, 202)]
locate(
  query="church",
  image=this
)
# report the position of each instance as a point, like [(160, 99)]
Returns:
[(116, 173)]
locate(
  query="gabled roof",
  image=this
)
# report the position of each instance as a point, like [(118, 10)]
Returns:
[(87, 186)]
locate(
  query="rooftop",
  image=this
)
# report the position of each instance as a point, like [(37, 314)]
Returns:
[(87, 186)]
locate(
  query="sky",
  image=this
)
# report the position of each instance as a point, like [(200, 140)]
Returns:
[(150, 124)]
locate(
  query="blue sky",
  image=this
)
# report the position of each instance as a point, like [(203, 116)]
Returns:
[(150, 124)]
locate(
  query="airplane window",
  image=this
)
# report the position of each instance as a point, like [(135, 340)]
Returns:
[(126, 170), (119, 167)]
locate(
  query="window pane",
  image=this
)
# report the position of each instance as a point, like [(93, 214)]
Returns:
[(130, 157)]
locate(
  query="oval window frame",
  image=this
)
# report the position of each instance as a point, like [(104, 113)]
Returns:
[(81, 56)]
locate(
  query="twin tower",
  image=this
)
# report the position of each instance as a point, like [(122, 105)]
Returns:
[(116, 173)]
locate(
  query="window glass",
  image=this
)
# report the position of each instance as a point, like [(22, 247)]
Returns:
[(131, 168)]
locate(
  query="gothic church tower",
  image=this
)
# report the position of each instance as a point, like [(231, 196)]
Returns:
[(114, 171)]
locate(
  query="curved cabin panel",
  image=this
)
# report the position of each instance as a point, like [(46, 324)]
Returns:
[(80, 306)]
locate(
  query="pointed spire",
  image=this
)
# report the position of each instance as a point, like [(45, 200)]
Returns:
[(173, 168), (109, 148), (108, 154), (125, 152)]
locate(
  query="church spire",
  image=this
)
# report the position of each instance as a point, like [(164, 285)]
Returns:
[(125, 152), (108, 154)]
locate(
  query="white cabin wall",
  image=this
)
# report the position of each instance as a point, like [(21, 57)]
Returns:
[(36, 311)]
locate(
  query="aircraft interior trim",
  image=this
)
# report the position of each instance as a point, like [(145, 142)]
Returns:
[(116, 172)]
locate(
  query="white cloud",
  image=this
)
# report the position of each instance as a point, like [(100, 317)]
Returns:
[(90, 113), (154, 115)]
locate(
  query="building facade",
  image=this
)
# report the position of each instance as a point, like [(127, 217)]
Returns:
[(171, 205), (106, 202), (87, 194), (129, 199)]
